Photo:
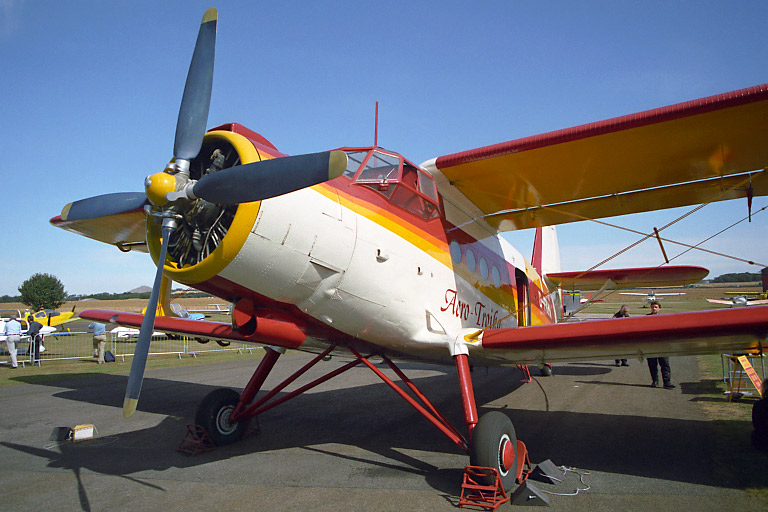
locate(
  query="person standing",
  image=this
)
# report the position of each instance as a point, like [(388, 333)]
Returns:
[(622, 313), (34, 335), (99, 339), (662, 362), (13, 336), (2, 330)]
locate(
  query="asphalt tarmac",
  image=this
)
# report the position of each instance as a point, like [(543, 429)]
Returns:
[(352, 444)]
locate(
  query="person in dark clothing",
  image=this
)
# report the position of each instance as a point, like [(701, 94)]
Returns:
[(34, 335), (621, 313), (662, 362)]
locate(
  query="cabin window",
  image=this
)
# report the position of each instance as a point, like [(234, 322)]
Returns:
[(470, 260), (455, 251), (484, 269), (495, 277)]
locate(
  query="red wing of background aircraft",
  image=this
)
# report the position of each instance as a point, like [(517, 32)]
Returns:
[(360, 252)]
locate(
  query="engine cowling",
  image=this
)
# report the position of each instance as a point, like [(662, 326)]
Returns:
[(210, 235)]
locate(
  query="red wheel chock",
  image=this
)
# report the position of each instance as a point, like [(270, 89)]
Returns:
[(523, 463), (476, 494), (196, 441)]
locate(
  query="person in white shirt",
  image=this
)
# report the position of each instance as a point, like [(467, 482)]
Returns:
[(12, 331)]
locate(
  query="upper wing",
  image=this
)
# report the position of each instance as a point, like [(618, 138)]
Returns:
[(688, 153), (268, 331), (652, 277), (699, 332)]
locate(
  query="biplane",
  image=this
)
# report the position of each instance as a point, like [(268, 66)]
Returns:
[(358, 252)]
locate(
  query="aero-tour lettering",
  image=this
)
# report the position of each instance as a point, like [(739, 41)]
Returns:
[(479, 312)]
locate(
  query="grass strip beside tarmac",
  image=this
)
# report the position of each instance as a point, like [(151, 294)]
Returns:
[(74, 368), (739, 464)]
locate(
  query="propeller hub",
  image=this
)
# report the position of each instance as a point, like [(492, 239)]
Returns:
[(158, 185)]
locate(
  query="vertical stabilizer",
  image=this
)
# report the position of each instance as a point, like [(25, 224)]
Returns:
[(546, 251)]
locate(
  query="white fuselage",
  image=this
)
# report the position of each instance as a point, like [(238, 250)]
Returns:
[(362, 278)]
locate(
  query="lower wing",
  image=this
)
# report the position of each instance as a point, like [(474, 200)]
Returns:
[(266, 331), (700, 332), (650, 277)]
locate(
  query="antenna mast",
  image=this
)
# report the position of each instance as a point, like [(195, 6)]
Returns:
[(376, 127)]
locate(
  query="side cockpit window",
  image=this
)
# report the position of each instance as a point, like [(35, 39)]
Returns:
[(398, 180)]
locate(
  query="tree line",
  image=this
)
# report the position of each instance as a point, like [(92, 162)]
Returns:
[(741, 277), (46, 291)]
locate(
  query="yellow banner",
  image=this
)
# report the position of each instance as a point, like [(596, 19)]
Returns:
[(753, 376)]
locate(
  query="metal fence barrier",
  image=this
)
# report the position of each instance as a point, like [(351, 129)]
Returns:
[(79, 345)]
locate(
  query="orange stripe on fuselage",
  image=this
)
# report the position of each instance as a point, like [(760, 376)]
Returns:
[(430, 236)]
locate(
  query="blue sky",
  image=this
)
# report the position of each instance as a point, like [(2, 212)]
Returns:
[(91, 93)]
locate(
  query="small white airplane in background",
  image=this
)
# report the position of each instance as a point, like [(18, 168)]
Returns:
[(220, 309), (739, 300), (124, 333), (653, 296), (180, 312)]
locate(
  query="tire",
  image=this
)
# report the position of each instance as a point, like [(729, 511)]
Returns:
[(213, 415), (492, 436)]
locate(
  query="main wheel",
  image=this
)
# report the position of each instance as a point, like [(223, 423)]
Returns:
[(494, 445), (213, 415)]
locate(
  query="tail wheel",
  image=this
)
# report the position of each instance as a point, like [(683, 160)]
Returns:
[(494, 445), (214, 414)]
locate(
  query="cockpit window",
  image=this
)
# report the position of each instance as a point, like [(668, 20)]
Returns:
[(354, 161), (427, 185), (381, 168), (404, 184)]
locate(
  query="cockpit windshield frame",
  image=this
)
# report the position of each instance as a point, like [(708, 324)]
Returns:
[(401, 182)]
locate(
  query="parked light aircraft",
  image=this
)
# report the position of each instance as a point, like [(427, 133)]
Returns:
[(653, 296), (739, 300), (216, 309), (52, 318), (124, 333), (359, 252), (7, 314)]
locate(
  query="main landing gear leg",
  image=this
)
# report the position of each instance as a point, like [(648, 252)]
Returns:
[(220, 407), (492, 439)]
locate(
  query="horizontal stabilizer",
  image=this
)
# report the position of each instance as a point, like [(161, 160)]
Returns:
[(699, 332), (650, 277)]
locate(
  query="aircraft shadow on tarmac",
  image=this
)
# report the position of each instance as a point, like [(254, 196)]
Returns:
[(373, 419)]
